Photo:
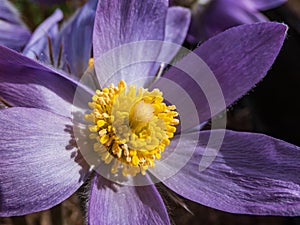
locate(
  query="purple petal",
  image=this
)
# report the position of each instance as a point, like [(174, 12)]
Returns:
[(9, 13), (251, 174), (13, 32), (267, 4), (239, 58), (114, 204), (122, 22), (39, 166), (76, 39), (223, 14), (26, 83), (178, 19), (177, 24), (119, 22), (38, 46), (13, 36)]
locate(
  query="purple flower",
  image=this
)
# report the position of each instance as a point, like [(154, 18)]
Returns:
[(220, 15), (68, 48), (40, 164), (13, 32)]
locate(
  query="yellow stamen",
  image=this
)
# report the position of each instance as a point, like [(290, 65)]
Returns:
[(91, 62), (132, 126)]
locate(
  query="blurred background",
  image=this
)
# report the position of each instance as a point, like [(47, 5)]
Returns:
[(272, 108)]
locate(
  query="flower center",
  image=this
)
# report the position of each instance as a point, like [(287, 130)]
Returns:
[(131, 126)]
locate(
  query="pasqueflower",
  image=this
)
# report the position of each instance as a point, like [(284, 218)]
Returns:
[(40, 161), (67, 47), (219, 15)]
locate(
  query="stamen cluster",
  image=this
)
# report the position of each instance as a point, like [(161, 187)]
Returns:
[(131, 126)]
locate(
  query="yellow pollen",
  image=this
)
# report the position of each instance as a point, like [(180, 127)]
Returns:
[(91, 62), (131, 126)]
